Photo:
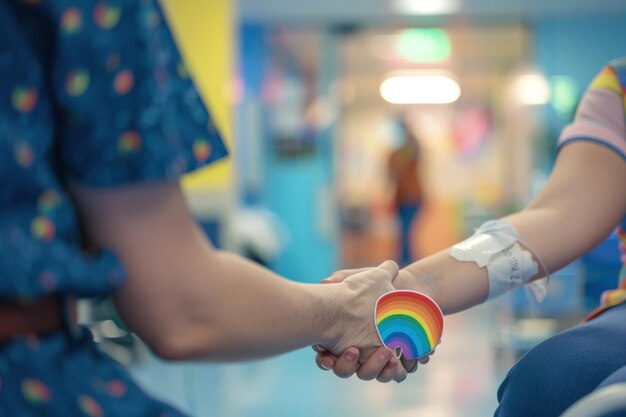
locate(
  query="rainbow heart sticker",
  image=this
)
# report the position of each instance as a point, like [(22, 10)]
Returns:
[(409, 323)]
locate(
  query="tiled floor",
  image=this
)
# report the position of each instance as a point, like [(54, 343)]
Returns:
[(461, 380)]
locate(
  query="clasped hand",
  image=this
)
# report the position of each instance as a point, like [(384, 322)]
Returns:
[(358, 350)]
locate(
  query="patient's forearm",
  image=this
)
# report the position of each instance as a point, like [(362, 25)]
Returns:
[(580, 205), (461, 285)]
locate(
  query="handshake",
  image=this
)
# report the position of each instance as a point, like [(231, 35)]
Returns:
[(354, 345)]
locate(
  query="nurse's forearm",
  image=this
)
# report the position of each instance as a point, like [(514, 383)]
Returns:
[(227, 308), (188, 300)]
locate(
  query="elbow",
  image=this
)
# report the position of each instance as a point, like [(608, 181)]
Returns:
[(171, 349), (183, 345), (187, 330)]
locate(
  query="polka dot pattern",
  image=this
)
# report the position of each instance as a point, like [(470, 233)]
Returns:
[(48, 201), (116, 388), (77, 82), (89, 406), (106, 16), (86, 382), (113, 105), (201, 150), (35, 391), (24, 154), (24, 99), (71, 21), (123, 82), (43, 228), (129, 142)]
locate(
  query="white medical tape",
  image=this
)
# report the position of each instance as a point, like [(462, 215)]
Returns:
[(509, 269), (538, 287), (494, 246)]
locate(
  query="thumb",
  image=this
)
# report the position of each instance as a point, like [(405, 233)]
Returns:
[(389, 269)]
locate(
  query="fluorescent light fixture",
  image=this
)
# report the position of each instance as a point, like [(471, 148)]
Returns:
[(531, 89), (420, 88), (427, 7)]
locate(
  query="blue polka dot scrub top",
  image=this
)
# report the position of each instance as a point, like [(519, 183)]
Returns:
[(93, 92)]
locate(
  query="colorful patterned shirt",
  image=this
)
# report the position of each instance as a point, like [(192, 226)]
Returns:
[(601, 118), (92, 92), (96, 93)]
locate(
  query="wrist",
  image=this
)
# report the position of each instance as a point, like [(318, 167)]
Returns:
[(415, 279), (454, 285), (327, 308)]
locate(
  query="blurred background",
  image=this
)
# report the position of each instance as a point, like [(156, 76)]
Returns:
[(363, 130)]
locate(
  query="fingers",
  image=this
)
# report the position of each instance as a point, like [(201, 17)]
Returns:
[(403, 367), (319, 348), (390, 269), (389, 371), (401, 372), (383, 365), (410, 365), (325, 361), (376, 363), (347, 364), (339, 276)]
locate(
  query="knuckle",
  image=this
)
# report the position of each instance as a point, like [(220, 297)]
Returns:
[(342, 374), (401, 379), (365, 376)]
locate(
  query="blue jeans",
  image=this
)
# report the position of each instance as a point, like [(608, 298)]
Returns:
[(406, 215), (561, 370)]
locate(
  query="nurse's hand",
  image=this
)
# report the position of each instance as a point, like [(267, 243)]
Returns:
[(383, 365), (355, 296)]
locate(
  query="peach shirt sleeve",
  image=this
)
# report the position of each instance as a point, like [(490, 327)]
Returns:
[(600, 116)]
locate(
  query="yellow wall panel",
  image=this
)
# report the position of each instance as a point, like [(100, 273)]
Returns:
[(204, 30)]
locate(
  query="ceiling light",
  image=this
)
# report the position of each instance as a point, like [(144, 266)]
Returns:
[(531, 89), (420, 88), (428, 7)]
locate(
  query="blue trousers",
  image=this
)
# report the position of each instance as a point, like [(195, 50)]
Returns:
[(407, 213), (566, 367)]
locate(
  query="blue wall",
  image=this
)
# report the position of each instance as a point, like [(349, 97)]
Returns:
[(291, 187), (577, 47)]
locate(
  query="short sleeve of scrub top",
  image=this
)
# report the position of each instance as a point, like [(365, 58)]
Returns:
[(95, 93)]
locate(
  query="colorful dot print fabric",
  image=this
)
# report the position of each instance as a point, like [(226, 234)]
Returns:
[(93, 92), (57, 376)]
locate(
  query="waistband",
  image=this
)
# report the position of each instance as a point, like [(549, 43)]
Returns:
[(40, 317)]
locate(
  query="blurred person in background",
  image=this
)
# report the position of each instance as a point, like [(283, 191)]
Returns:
[(582, 202), (404, 171), (98, 121)]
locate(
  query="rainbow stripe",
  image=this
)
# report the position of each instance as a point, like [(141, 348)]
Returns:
[(409, 320)]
